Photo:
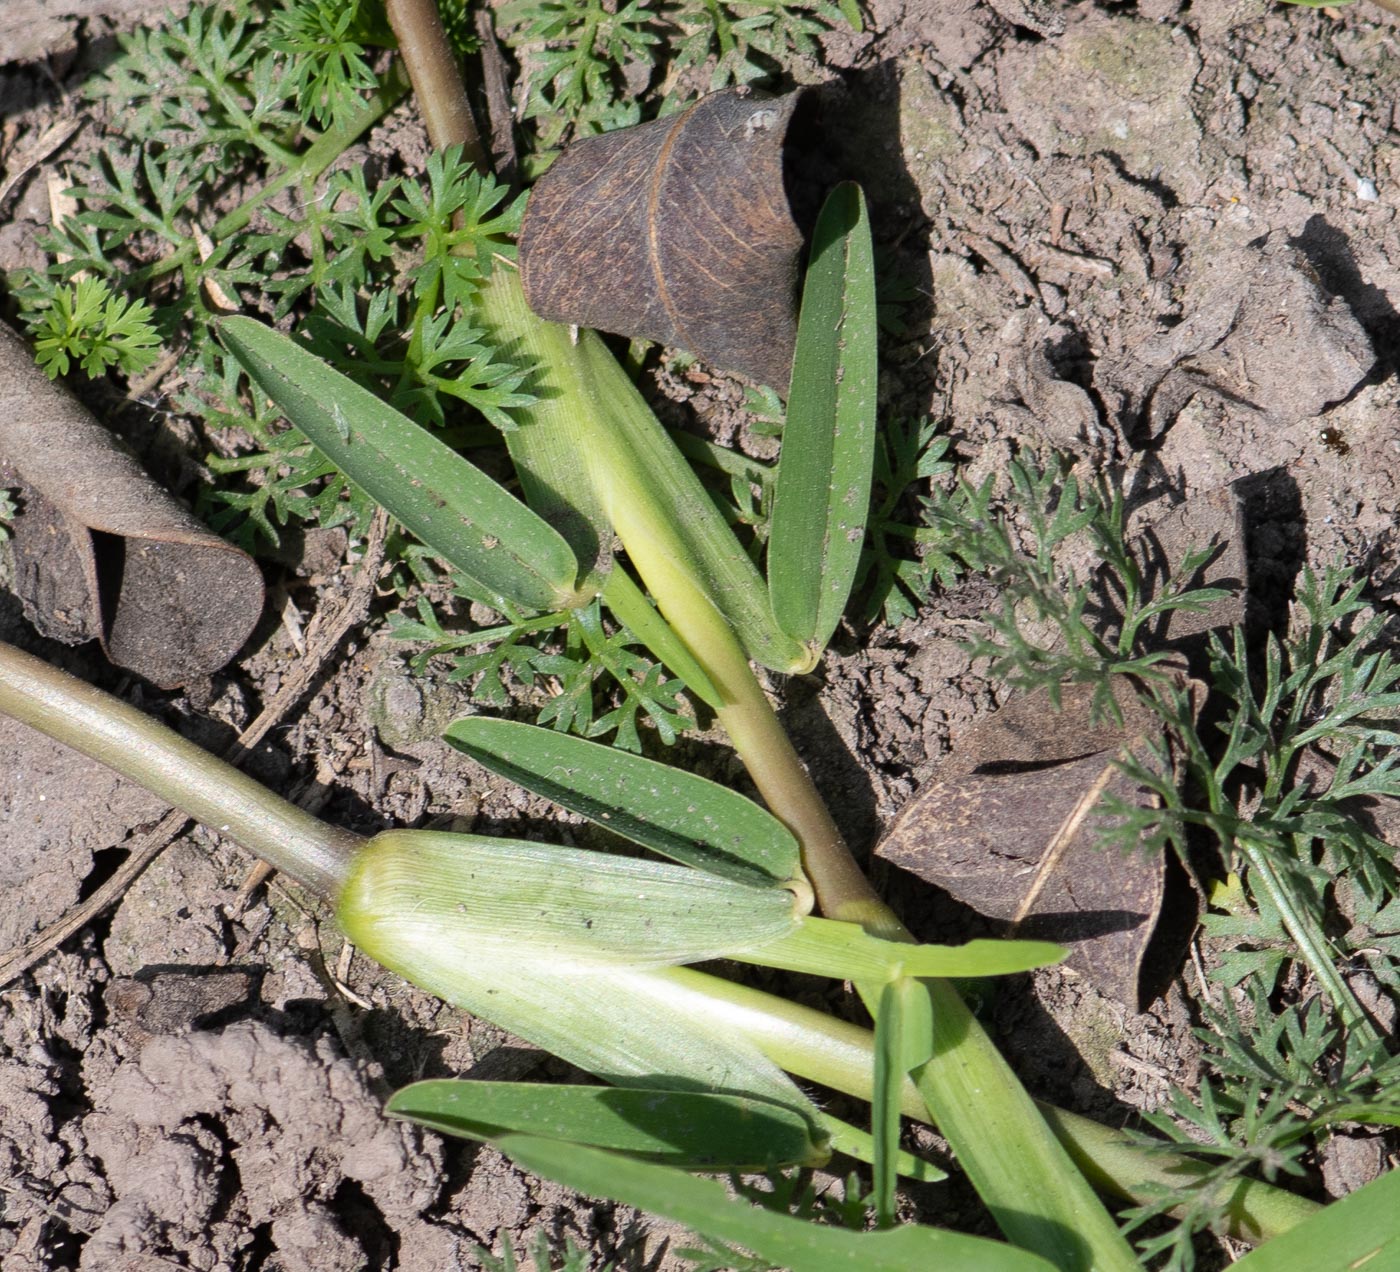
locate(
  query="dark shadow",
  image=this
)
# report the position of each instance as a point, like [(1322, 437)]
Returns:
[(838, 775), (1276, 544), (1177, 920), (848, 130), (171, 998), (1078, 925), (1328, 251)]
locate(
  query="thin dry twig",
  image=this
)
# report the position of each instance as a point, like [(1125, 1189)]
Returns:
[(34, 154), (495, 76)]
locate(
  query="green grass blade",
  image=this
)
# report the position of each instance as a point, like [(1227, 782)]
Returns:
[(822, 495), (903, 1041), (692, 1130), (861, 1145), (1361, 1231), (674, 813), (1026, 1179), (795, 1244), (824, 947), (447, 502)]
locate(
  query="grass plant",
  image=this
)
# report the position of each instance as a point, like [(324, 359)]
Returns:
[(417, 347)]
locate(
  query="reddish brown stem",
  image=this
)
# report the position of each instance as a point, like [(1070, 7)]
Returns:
[(437, 79)]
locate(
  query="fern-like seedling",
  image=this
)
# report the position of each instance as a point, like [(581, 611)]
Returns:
[(86, 324)]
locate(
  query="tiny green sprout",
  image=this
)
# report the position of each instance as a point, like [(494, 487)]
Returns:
[(86, 323)]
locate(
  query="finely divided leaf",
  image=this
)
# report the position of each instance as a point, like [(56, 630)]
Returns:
[(448, 503), (690, 1129), (822, 496), (672, 812)]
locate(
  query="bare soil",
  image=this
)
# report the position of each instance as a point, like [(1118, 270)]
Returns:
[(1161, 236)]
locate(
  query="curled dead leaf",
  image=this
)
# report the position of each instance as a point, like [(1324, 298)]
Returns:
[(103, 552), (1012, 824), (677, 231)]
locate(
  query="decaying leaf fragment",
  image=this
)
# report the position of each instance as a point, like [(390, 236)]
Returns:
[(101, 551), (1012, 823), (677, 231)]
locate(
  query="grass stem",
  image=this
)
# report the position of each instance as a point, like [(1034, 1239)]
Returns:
[(839, 1055), (209, 790)]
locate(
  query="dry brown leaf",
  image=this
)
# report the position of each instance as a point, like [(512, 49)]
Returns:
[(1011, 824), (677, 231), (101, 551)]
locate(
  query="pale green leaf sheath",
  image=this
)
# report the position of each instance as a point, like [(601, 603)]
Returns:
[(564, 948), (594, 459)]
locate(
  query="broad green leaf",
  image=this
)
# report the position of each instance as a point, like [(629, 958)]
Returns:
[(1359, 1233), (626, 1025), (795, 1244), (672, 812), (694, 1130), (564, 909), (447, 502), (1023, 1174), (903, 1041), (822, 495), (824, 947), (594, 459)]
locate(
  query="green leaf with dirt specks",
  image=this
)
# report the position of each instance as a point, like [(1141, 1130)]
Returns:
[(822, 495), (447, 502), (698, 1130), (672, 812)]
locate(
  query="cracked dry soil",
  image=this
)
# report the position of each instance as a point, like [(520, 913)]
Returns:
[(1162, 236)]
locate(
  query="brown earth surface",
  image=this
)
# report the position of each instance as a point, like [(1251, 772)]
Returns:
[(1161, 236)]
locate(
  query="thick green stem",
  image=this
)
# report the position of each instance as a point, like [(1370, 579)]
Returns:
[(1311, 943), (839, 1055), (843, 891), (144, 750)]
